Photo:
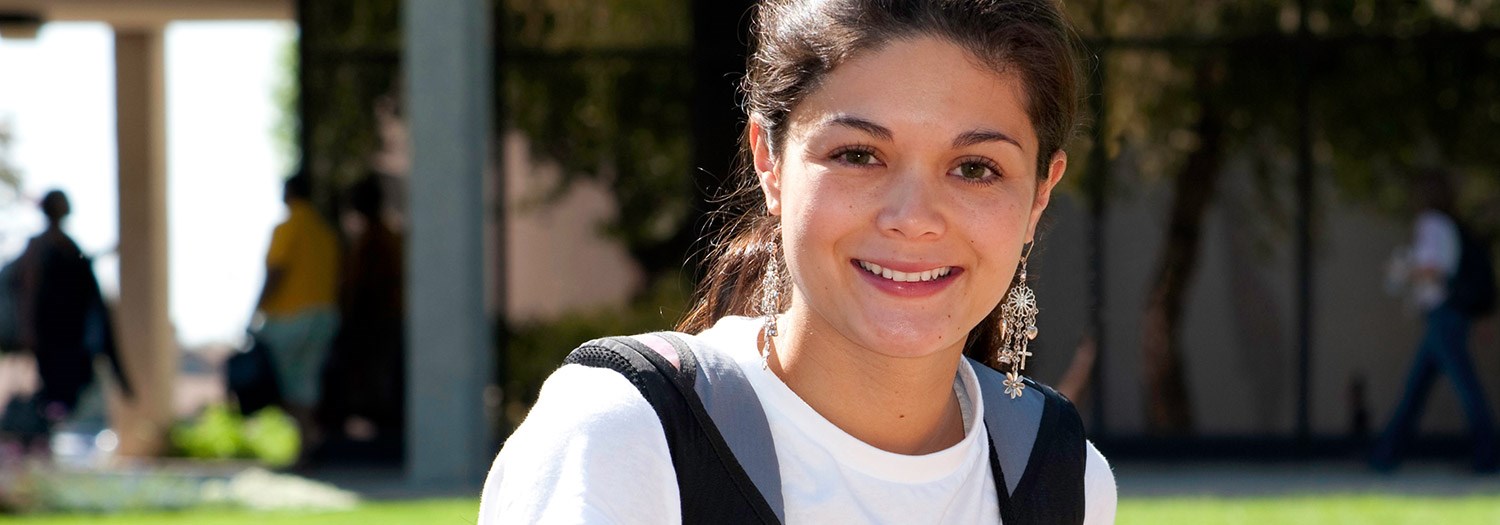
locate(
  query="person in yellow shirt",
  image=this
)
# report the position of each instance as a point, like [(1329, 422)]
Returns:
[(299, 303)]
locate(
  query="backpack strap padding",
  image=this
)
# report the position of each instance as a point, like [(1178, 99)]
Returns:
[(1012, 423), (712, 487), (735, 408), (1038, 439)]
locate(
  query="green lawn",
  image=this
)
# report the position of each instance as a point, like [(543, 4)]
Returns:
[(1329, 510), (436, 512), (1320, 510)]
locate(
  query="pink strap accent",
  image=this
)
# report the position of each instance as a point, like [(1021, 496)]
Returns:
[(661, 346)]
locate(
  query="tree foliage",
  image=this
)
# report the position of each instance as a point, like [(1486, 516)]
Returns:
[(1389, 86), (10, 175), (1395, 85), (352, 53), (603, 88), (1411, 88)]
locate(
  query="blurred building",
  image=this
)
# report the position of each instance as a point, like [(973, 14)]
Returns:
[(555, 255), (1277, 135)]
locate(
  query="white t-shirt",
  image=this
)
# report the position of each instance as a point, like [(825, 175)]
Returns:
[(593, 451), (1435, 245)]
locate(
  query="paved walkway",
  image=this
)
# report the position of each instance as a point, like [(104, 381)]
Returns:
[(1227, 479)]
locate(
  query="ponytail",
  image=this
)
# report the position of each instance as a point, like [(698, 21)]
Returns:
[(733, 283)]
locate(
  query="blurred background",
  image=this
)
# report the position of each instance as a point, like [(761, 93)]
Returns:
[(1218, 280)]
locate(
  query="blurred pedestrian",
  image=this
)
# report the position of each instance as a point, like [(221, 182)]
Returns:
[(1449, 274), (299, 302), (365, 374), (61, 318)]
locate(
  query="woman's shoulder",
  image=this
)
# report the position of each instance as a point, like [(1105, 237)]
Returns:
[(565, 461), (585, 397), (1100, 493), (578, 409)]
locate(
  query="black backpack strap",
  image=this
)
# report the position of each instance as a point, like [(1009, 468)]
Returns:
[(736, 412), (713, 487), (1051, 487), (1039, 439)]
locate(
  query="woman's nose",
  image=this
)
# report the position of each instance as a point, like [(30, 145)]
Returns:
[(912, 209)]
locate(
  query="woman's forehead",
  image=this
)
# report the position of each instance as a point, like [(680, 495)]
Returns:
[(918, 85)]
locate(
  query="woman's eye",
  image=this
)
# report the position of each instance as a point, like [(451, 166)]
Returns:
[(856, 157), (974, 171)]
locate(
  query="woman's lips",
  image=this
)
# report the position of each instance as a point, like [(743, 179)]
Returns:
[(905, 277), (914, 281)]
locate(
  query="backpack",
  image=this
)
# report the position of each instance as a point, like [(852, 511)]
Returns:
[(250, 376), (1471, 288), (725, 459), (10, 319)]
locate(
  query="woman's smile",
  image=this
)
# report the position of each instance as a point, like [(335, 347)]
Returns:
[(917, 280)]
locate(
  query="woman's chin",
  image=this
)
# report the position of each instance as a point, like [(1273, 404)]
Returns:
[(891, 332), (911, 340)]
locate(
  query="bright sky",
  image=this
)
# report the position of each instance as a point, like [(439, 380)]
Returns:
[(223, 168)]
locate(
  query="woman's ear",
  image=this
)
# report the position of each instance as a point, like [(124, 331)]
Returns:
[(765, 165), (1055, 170)]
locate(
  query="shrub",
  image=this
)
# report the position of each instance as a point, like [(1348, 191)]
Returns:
[(269, 436), (535, 349)]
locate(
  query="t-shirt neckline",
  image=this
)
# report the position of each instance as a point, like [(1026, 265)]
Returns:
[(737, 336)]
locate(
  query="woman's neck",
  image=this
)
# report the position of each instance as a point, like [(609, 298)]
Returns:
[(896, 404)]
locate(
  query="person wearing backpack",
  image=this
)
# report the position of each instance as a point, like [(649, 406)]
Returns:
[(1450, 275), (840, 363), (59, 315)]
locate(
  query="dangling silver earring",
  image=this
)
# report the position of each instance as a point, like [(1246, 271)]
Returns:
[(770, 301), (1017, 328)]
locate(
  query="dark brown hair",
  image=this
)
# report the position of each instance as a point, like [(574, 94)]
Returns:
[(798, 42), (55, 205)]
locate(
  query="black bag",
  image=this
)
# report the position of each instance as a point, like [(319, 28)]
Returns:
[(1471, 289), (99, 333), (24, 419), (10, 320), (251, 377)]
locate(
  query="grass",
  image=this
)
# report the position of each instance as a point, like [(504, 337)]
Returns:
[(1320, 510), (437, 512)]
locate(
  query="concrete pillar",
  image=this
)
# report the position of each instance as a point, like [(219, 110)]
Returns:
[(448, 346), (144, 331)]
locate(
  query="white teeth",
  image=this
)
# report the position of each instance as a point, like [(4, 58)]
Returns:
[(904, 277)]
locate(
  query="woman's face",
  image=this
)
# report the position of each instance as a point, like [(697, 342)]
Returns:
[(906, 188)]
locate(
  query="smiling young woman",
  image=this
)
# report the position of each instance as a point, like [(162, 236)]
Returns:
[(931, 174), (900, 156)]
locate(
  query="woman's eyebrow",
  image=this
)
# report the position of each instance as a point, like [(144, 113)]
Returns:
[(965, 139), (879, 131), (980, 136)]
